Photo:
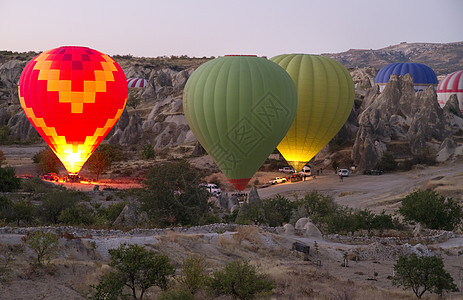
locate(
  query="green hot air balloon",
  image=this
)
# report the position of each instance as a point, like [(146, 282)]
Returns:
[(239, 108), (325, 99)]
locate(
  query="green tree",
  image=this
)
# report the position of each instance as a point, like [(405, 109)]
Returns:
[(44, 244), (138, 269), (47, 161), (148, 152), (194, 275), (240, 280), (110, 288), (251, 214), (278, 210), (422, 274), (55, 202), (23, 211), (77, 215), (102, 158), (6, 208), (172, 194), (5, 135), (8, 180), (432, 210), (98, 163)]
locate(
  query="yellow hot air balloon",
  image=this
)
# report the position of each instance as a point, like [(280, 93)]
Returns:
[(325, 99)]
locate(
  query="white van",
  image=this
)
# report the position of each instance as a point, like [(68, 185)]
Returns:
[(306, 172), (213, 189), (343, 172)]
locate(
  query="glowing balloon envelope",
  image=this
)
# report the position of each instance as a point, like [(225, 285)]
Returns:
[(325, 99), (73, 96), (239, 108)]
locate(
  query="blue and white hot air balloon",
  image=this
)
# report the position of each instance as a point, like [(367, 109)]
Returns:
[(423, 76)]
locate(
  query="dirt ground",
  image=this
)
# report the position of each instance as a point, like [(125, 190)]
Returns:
[(321, 275)]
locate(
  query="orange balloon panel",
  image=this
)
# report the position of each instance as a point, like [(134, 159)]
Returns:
[(73, 96)]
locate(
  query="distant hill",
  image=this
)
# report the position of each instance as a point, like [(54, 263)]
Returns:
[(442, 58)]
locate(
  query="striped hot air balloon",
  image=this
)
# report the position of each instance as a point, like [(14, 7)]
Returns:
[(423, 76), (136, 82), (452, 84)]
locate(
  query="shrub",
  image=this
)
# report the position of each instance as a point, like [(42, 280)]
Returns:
[(138, 269), (251, 214), (432, 210), (110, 213), (5, 135), (47, 161), (387, 162), (77, 215), (194, 275), (45, 245), (172, 194), (148, 152), (240, 280), (278, 210), (8, 180), (55, 202), (422, 274), (179, 294), (23, 211)]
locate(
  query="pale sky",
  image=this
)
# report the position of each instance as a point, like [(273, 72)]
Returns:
[(217, 27)]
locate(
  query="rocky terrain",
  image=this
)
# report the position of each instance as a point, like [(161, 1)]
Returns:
[(398, 121), (442, 58)]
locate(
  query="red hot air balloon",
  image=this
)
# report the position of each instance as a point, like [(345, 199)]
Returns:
[(73, 96)]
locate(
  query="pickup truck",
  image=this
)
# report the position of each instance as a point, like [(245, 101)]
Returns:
[(277, 180), (374, 172), (287, 170)]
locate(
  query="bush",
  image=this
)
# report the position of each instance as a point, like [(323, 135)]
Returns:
[(148, 152), (251, 214), (138, 269), (5, 135), (179, 294), (45, 245), (47, 160), (431, 210), (387, 162), (422, 274), (54, 203), (2, 158), (110, 213), (194, 275), (23, 211), (240, 280), (172, 194), (8, 180), (278, 210), (77, 215)]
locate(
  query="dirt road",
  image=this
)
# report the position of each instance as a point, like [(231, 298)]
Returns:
[(375, 192)]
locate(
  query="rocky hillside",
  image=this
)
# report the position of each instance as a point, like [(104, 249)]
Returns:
[(398, 120), (442, 58)]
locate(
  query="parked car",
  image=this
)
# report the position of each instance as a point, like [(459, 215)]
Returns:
[(287, 170), (51, 177), (374, 172), (305, 171), (277, 180), (343, 172), (212, 188)]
